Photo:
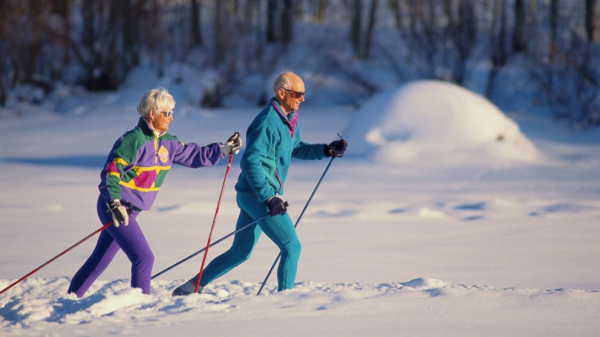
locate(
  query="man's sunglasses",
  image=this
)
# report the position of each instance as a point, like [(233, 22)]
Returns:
[(167, 114), (295, 94)]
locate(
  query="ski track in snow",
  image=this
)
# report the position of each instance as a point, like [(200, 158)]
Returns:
[(465, 211), (39, 303)]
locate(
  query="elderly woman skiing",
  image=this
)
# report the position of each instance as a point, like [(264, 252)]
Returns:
[(130, 180)]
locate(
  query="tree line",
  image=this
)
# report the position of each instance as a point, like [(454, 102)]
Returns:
[(96, 43)]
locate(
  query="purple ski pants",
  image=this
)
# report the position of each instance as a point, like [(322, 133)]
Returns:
[(128, 238)]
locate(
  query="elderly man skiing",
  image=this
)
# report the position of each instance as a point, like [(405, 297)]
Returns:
[(273, 140)]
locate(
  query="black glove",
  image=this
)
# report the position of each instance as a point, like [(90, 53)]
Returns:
[(120, 213), (276, 206), (233, 145), (336, 148)]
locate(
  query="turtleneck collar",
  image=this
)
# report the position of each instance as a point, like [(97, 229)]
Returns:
[(290, 119), (147, 127)]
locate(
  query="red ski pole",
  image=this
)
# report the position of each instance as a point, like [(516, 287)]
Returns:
[(213, 223), (56, 257)]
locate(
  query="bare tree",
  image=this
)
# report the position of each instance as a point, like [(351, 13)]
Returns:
[(287, 21), (356, 28), (131, 29), (394, 5), (4, 50), (319, 10), (565, 69), (592, 20), (195, 26), (371, 24), (499, 49), (519, 38), (280, 21), (465, 31), (554, 18), (441, 37), (574, 91), (34, 40), (63, 9), (272, 32), (220, 34), (533, 6), (110, 43), (360, 37)]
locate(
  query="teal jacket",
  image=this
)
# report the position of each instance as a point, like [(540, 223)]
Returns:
[(272, 139)]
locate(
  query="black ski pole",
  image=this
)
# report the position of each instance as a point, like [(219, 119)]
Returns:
[(297, 222), (212, 244)]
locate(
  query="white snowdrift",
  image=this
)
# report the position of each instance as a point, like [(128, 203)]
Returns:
[(427, 122), (40, 305)]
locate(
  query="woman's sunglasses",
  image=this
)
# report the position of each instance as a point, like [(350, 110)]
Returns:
[(167, 114)]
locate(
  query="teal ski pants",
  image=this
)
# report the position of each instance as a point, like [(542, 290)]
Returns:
[(279, 229)]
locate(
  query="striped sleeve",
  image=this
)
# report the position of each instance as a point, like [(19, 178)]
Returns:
[(120, 160)]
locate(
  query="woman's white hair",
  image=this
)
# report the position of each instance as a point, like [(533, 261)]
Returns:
[(157, 99)]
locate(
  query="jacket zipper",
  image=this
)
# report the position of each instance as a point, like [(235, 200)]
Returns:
[(155, 148), (279, 180)]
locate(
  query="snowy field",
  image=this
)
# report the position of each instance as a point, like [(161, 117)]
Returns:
[(446, 218)]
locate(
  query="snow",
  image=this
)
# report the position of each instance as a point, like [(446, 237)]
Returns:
[(435, 121), (418, 307), (430, 226)]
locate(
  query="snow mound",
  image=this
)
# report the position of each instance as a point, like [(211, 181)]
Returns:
[(38, 305), (422, 283), (425, 122)]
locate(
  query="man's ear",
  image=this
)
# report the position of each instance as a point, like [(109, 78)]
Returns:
[(280, 92)]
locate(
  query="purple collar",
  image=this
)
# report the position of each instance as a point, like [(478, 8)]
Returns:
[(290, 124)]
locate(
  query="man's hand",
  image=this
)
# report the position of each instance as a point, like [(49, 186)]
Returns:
[(119, 212), (276, 206), (233, 144), (336, 148)]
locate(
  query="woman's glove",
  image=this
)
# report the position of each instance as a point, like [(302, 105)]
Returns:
[(120, 214), (233, 145), (336, 148), (276, 206)]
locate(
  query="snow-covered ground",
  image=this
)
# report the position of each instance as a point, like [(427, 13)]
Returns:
[(484, 229)]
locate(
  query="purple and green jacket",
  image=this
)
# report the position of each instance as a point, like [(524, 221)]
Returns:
[(140, 160)]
